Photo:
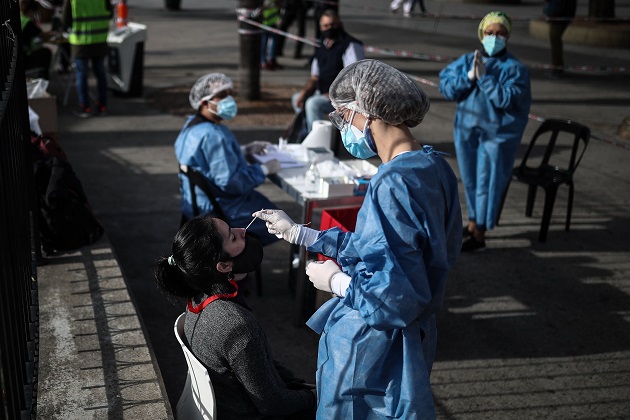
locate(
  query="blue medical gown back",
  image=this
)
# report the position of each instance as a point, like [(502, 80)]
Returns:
[(378, 342)]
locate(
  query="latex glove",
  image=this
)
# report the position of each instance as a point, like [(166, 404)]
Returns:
[(255, 148), (272, 166), (278, 223), (471, 72), (480, 67), (320, 274), (281, 225)]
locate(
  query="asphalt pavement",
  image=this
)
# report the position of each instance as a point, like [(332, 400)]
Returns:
[(528, 329)]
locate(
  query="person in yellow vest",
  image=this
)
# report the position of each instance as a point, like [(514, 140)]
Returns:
[(88, 23), (271, 17), (35, 54)]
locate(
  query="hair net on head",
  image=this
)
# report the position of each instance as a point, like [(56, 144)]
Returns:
[(491, 18), (380, 91), (208, 86)]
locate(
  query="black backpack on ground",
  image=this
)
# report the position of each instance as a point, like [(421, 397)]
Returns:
[(66, 221)]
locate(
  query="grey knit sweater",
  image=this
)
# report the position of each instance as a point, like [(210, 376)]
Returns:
[(227, 338)]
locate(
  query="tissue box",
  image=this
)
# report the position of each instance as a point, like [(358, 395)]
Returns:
[(337, 186)]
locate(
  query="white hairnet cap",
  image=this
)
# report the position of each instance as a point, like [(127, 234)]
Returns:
[(380, 91), (208, 86)]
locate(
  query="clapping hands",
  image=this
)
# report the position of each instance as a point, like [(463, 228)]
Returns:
[(478, 67)]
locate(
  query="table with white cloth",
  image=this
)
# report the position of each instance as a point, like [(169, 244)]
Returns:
[(337, 188)]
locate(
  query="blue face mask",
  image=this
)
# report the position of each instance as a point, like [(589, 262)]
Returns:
[(226, 108), (493, 44), (358, 144)]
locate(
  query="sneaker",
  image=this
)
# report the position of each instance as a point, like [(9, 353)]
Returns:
[(101, 110), (473, 245), (83, 112)]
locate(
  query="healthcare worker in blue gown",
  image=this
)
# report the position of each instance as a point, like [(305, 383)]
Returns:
[(493, 95), (378, 334), (209, 147)]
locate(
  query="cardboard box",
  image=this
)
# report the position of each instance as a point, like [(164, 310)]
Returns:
[(46, 108), (337, 186)]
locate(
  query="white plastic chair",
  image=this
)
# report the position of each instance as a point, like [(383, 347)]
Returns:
[(197, 401)]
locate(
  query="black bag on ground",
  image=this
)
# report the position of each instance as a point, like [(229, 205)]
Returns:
[(66, 221)]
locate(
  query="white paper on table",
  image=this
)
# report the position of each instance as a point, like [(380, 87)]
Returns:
[(331, 168), (286, 160)]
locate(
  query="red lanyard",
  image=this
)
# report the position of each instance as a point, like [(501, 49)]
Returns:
[(211, 299)]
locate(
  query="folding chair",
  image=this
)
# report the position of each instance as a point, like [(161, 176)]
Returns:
[(197, 401), (550, 175)]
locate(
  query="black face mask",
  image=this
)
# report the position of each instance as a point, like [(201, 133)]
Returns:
[(250, 258), (332, 33)]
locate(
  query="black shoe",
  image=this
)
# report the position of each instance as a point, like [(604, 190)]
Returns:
[(473, 245), (466, 233)]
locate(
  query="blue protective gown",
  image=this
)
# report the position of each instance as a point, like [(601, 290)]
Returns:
[(492, 113), (212, 150), (378, 343)]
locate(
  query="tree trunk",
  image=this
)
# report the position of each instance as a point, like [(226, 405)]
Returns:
[(249, 62)]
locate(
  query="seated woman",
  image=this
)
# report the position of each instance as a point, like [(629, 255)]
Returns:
[(222, 332)]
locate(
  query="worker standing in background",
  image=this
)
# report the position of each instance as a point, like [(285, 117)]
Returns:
[(88, 21), (493, 94), (561, 12)]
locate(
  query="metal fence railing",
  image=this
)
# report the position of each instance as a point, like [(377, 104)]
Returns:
[(18, 286)]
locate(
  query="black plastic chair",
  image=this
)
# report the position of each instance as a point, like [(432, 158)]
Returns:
[(196, 179), (551, 175)]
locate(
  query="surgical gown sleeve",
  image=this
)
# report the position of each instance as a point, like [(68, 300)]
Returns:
[(214, 151), (454, 82), (507, 88)]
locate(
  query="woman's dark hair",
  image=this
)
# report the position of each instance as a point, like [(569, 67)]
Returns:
[(196, 250)]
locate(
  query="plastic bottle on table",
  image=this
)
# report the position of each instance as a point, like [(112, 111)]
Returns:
[(121, 14)]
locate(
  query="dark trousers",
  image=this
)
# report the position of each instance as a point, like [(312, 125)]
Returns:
[(556, 29), (295, 12)]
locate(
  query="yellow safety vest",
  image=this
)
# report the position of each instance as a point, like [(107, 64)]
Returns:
[(90, 22)]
